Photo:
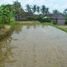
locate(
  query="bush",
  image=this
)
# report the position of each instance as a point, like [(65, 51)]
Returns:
[(40, 19), (54, 22), (44, 19), (6, 15), (66, 22)]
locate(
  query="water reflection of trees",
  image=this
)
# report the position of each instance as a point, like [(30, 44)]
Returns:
[(6, 54), (30, 26), (19, 27)]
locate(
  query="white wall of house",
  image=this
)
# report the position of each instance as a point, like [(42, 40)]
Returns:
[(61, 22), (60, 19)]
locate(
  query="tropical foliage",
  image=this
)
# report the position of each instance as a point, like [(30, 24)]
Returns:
[(6, 14)]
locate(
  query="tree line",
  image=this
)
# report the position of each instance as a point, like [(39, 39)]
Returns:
[(43, 9), (8, 12)]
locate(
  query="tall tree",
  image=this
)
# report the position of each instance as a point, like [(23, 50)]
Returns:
[(28, 8), (6, 14), (34, 8), (46, 11), (56, 12), (43, 9), (65, 12), (17, 8), (18, 11), (38, 9)]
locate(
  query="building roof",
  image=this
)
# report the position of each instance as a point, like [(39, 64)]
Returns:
[(57, 16)]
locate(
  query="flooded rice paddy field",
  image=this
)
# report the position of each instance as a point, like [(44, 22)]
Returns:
[(34, 46)]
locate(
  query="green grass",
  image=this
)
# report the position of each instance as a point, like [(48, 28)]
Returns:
[(61, 27)]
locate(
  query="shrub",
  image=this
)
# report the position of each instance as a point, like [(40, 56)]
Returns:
[(6, 15), (66, 22), (44, 19), (54, 22)]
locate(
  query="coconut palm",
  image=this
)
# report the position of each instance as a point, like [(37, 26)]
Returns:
[(46, 11), (28, 8), (43, 9), (65, 12), (34, 8), (38, 9), (56, 12)]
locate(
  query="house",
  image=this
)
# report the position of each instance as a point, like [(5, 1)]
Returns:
[(59, 18), (23, 16)]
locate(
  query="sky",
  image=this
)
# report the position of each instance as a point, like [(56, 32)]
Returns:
[(51, 4)]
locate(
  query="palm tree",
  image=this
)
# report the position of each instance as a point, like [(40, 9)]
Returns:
[(17, 9), (28, 8), (56, 12), (43, 9), (34, 8), (46, 11), (65, 15), (38, 9), (65, 12)]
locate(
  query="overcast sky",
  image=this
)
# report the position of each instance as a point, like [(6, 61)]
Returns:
[(51, 4)]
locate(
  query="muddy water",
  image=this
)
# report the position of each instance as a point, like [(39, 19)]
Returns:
[(34, 46)]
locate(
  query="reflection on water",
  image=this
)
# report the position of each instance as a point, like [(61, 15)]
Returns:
[(34, 46), (20, 26), (6, 55)]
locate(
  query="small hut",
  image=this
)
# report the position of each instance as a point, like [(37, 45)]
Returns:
[(58, 18)]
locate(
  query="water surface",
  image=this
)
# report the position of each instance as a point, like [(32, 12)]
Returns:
[(34, 46)]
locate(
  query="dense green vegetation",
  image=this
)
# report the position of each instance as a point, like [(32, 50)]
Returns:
[(6, 15), (61, 27), (9, 13)]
